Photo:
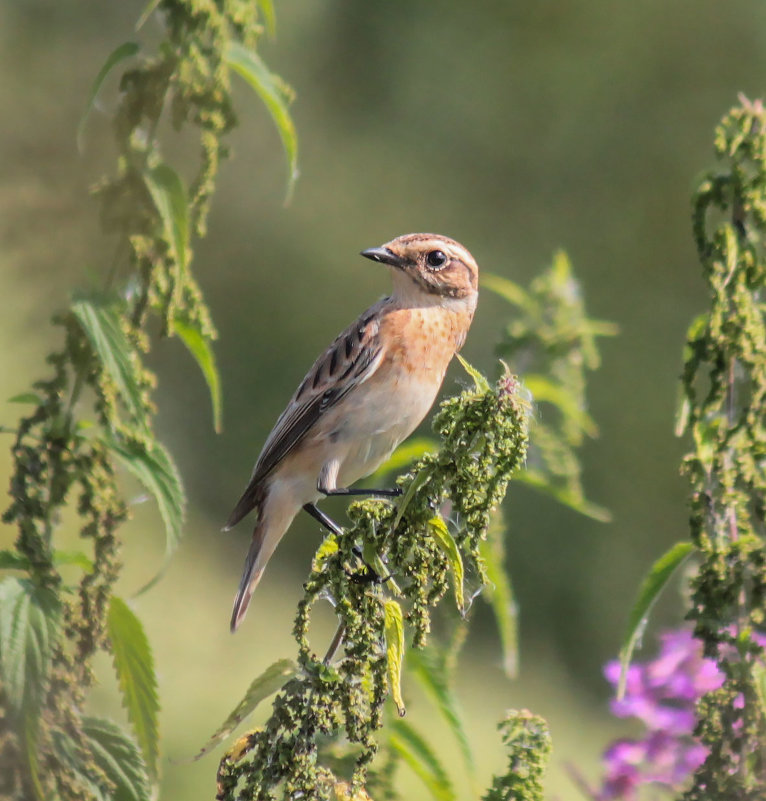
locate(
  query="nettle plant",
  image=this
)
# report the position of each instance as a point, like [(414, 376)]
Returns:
[(331, 733), (702, 701)]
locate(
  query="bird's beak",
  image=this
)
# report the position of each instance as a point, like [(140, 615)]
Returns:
[(385, 256)]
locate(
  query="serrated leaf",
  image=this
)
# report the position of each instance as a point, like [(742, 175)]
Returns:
[(650, 589), (134, 666), (394, 633), (202, 351), (169, 196), (125, 51), (119, 758), (416, 752), (430, 669), (448, 546), (26, 397), (276, 97), (272, 679), (480, 382), (99, 318), (29, 625), (499, 593), (506, 289), (152, 466)]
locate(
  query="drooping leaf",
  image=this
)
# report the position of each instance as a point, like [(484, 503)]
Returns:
[(499, 593), (119, 758), (152, 466), (480, 382), (125, 51), (402, 457), (275, 95), (26, 397), (506, 289), (98, 315), (419, 755), (430, 668), (650, 589), (269, 17), (439, 531), (394, 632), (169, 196), (134, 665), (535, 478), (202, 351), (546, 391), (272, 679)]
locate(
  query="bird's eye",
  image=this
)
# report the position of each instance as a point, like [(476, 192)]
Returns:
[(436, 259)]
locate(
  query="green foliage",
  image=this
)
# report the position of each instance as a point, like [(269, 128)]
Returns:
[(94, 413), (724, 409), (552, 343), (482, 442), (528, 743), (134, 666), (651, 588)]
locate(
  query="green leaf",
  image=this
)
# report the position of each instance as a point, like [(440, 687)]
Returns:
[(73, 558), (134, 665), (29, 625), (448, 546), (124, 51), (269, 17), (402, 457), (650, 590), (98, 315), (275, 95), (394, 632), (272, 679), (120, 760), (546, 391), (202, 351), (536, 479), (149, 9), (422, 477), (169, 196), (26, 397), (416, 752), (152, 466), (481, 383), (506, 289), (499, 593), (328, 547), (430, 669), (10, 560)]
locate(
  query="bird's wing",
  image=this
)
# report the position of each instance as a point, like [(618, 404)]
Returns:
[(349, 361)]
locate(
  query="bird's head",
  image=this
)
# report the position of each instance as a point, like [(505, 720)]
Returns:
[(429, 266)]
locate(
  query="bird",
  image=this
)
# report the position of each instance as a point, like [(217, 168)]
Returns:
[(363, 396)]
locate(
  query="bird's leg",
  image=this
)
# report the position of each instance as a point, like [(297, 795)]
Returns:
[(373, 493), (326, 521)]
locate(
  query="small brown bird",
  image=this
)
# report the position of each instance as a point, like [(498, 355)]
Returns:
[(364, 395)]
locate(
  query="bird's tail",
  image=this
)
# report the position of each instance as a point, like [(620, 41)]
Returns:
[(274, 518)]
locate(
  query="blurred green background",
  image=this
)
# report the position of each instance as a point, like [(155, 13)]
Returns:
[(516, 128)]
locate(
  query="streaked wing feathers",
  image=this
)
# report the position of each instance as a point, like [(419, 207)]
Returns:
[(350, 360)]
